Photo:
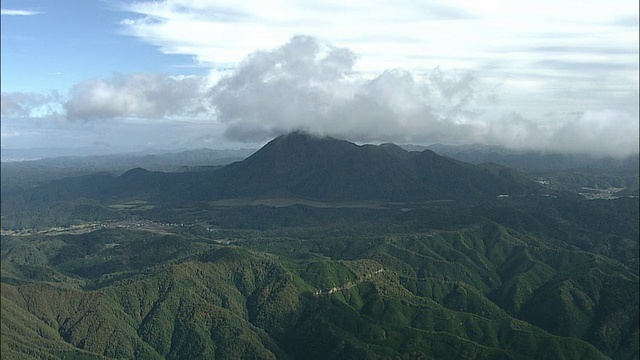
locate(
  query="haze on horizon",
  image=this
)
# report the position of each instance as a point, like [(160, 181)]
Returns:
[(188, 74)]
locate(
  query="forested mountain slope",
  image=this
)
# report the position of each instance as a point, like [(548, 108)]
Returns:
[(318, 248)]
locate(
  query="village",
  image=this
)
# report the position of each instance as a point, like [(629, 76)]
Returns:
[(142, 225)]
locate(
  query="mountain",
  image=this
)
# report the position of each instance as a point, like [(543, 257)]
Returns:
[(582, 173), (24, 174), (337, 170), (304, 166), (530, 160), (62, 157)]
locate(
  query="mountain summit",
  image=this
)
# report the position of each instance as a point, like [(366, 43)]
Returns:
[(325, 168)]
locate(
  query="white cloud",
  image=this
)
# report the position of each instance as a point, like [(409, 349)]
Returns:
[(310, 85), (13, 12), (20, 104), (573, 56), (136, 95), (606, 131), (409, 34), (314, 85)]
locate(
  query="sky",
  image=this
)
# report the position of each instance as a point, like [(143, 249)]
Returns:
[(118, 76)]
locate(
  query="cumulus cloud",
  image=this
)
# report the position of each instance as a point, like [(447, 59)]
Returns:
[(136, 95), (311, 85), (150, 96)]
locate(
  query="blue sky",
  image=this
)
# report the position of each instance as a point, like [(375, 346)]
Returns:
[(66, 42), (130, 75)]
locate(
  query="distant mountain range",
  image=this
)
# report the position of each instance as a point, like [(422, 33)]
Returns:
[(93, 156), (156, 161), (20, 174), (528, 160)]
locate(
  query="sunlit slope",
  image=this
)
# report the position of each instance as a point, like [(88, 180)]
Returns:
[(481, 292)]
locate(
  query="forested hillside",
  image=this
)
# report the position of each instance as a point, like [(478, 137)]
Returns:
[(292, 254)]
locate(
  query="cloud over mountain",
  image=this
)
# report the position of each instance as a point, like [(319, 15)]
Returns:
[(313, 85), (307, 84)]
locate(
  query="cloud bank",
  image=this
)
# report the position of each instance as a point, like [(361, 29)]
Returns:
[(312, 85)]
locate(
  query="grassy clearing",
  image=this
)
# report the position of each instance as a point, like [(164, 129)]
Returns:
[(137, 205), (285, 202)]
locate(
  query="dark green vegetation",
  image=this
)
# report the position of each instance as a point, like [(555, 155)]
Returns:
[(313, 263), (582, 173)]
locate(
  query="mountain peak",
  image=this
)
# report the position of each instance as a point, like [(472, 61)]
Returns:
[(326, 168), (137, 172), (300, 146), (302, 138), (301, 134)]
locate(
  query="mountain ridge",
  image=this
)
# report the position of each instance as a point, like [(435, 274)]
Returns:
[(337, 170)]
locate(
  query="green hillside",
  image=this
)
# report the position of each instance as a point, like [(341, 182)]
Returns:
[(294, 254), (479, 290)]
